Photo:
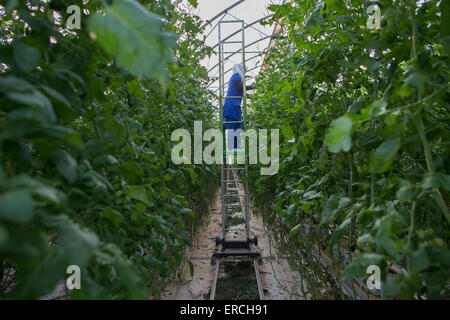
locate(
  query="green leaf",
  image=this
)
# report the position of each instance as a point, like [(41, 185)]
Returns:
[(50, 194), (193, 175), (330, 209), (288, 133), (16, 206), (416, 80), (297, 107), (61, 103), (3, 238), (437, 180), (406, 191), (133, 36), (405, 286), (193, 3), (294, 230), (138, 193), (64, 134), (77, 244), (343, 202), (23, 93), (38, 189), (385, 243), (134, 89), (428, 257), (382, 158), (56, 95), (38, 278), (339, 135), (112, 215), (340, 231), (357, 105), (127, 274), (315, 19), (365, 238), (66, 165), (446, 42), (26, 57), (11, 4), (115, 130), (306, 206), (188, 211), (378, 108), (312, 195), (404, 91)]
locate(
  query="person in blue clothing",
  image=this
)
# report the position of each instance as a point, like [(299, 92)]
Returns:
[(232, 107)]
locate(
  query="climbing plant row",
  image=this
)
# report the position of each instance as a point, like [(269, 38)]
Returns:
[(86, 115), (364, 152)]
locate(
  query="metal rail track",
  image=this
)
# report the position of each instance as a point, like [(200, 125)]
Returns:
[(221, 256), (257, 275)]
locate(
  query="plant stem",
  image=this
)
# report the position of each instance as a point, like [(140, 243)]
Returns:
[(426, 146)]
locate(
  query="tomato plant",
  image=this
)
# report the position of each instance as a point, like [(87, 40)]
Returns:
[(368, 169), (86, 115)]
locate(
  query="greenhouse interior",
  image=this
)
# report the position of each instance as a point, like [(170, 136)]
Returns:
[(227, 150)]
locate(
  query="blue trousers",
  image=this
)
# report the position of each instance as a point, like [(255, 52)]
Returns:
[(231, 127)]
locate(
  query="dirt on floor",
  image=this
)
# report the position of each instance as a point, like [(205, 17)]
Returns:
[(236, 279)]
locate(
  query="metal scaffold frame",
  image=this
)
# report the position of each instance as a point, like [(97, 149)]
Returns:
[(242, 248)]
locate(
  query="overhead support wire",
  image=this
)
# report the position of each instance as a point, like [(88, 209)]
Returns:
[(215, 26)]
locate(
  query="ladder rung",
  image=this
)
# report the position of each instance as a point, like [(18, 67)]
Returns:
[(231, 21), (234, 168), (240, 51), (231, 41), (234, 195), (232, 122), (236, 205), (220, 255), (232, 97)]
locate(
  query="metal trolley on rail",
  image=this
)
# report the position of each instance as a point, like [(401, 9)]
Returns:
[(230, 181)]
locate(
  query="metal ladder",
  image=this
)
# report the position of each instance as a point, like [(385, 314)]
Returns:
[(229, 175)]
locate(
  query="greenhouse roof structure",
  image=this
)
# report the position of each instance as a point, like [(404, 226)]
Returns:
[(257, 36)]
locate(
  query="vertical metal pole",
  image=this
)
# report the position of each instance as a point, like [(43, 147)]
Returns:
[(223, 171), (227, 173), (244, 105)]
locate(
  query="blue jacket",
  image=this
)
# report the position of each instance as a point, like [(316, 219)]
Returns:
[(232, 106)]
